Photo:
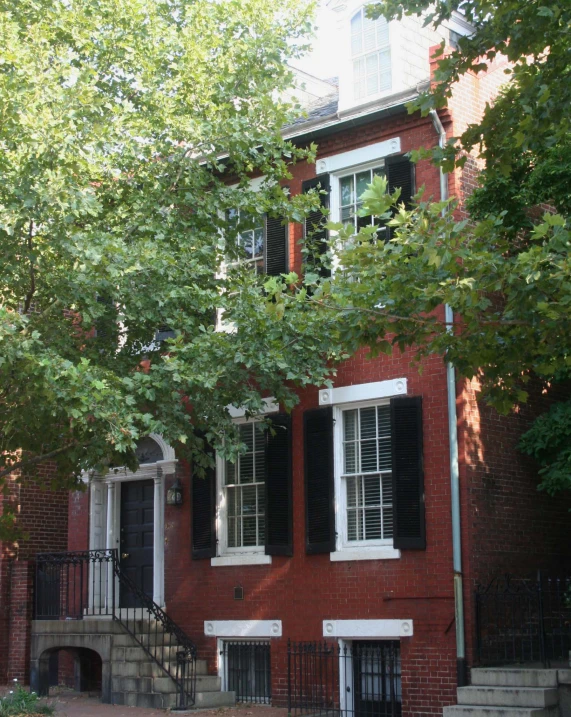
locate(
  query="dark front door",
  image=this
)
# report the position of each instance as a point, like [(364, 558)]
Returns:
[(376, 679), (137, 524)]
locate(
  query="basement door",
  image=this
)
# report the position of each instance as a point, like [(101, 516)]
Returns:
[(137, 541)]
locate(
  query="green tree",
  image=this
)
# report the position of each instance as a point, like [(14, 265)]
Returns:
[(120, 122), (506, 273)]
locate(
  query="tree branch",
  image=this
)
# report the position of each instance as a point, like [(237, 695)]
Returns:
[(32, 290), (37, 459)]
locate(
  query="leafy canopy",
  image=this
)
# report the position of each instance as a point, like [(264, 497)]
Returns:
[(121, 121), (506, 273)]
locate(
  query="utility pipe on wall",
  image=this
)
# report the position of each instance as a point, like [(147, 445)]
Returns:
[(461, 671)]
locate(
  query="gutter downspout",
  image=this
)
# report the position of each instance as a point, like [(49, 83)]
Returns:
[(461, 667)]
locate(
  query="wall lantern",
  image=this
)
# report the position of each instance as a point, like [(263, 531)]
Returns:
[(174, 493)]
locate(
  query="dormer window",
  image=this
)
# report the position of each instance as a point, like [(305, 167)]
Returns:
[(371, 56)]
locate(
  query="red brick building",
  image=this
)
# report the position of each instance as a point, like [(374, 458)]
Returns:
[(340, 528)]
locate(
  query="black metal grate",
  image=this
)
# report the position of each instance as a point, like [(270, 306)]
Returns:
[(524, 620), (246, 670), (358, 679)]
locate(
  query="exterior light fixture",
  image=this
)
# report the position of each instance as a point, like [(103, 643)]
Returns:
[(174, 493)]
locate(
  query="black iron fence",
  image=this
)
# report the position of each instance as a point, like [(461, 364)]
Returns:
[(357, 679), (524, 620), (246, 670), (90, 583)]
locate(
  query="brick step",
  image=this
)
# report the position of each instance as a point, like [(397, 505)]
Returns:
[(508, 696), (497, 711), (513, 677)]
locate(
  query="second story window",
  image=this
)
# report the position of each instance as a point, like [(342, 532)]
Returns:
[(250, 238), (371, 56), (245, 491), (351, 188)]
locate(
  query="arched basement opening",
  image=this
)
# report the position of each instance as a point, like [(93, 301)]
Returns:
[(78, 668)]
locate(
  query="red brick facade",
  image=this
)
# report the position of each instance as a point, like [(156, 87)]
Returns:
[(505, 522)]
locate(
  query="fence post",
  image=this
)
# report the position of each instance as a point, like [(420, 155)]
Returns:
[(542, 651), (289, 676)]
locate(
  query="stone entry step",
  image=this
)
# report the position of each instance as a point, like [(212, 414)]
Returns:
[(508, 696), (508, 692)]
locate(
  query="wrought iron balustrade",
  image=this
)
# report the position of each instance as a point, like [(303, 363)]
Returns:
[(84, 584), (357, 679), (523, 620)]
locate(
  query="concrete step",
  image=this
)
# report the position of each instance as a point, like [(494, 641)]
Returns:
[(497, 711), (513, 677), (508, 696), (214, 699), (204, 683), (204, 700)]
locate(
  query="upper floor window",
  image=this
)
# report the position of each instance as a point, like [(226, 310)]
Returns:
[(371, 56), (250, 237), (351, 189)]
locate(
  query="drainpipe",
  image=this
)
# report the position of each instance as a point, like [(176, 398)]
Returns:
[(461, 670)]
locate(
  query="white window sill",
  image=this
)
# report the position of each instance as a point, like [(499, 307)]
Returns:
[(242, 559), (379, 553)]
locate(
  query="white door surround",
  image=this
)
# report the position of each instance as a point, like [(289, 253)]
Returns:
[(105, 513)]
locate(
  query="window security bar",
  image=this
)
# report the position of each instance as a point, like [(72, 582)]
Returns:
[(246, 670), (358, 679)]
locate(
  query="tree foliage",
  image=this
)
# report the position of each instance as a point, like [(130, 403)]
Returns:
[(506, 273), (121, 121)]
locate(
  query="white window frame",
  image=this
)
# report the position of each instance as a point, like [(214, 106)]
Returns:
[(248, 555), (343, 399), (363, 56)]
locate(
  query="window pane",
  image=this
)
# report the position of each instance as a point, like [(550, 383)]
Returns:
[(249, 500), (363, 180), (247, 468), (230, 473), (382, 32), (350, 425), (258, 247), (357, 23), (372, 491), (347, 215), (347, 196), (249, 531), (369, 456), (384, 70), (368, 423), (387, 483), (379, 172), (369, 34), (247, 435), (373, 527), (387, 523), (372, 84)]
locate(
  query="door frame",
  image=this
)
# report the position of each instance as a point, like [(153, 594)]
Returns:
[(105, 511)]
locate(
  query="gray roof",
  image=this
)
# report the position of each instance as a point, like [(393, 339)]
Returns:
[(321, 107)]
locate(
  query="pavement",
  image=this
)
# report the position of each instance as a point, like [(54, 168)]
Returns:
[(74, 705)]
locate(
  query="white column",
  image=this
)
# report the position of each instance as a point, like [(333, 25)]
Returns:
[(159, 539), (110, 540)]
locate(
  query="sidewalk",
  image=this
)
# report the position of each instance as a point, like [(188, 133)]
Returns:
[(81, 706)]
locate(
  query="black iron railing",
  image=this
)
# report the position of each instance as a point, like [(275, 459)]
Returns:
[(76, 585), (246, 670), (357, 679), (524, 620)]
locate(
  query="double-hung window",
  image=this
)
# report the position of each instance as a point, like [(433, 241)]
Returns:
[(351, 189), (250, 238), (366, 475), (244, 493), (371, 56)]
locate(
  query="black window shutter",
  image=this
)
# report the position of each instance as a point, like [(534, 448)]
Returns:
[(279, 531), (203, 514), (408, 474), (400, 173), (314, 222), (276, 246), (319, 485)]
